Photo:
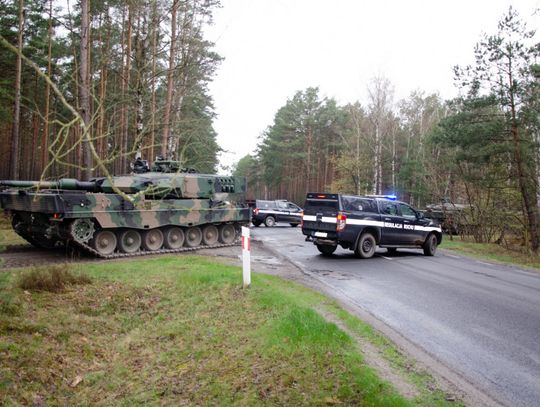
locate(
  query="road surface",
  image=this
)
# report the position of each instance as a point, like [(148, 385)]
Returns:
[(479, 319)]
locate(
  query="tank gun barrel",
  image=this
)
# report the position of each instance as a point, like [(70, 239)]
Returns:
[(64, 183)]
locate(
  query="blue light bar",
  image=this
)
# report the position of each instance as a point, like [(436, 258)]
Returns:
[(391, 197)]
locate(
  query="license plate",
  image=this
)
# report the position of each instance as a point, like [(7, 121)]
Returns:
[(321, 234)]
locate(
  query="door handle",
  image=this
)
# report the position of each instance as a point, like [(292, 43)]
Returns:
[(387, 219)]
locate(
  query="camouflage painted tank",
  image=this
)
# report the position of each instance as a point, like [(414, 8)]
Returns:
[(164, 210)]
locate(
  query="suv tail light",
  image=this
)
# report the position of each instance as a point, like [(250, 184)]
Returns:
[(341, 222), (256, 211)]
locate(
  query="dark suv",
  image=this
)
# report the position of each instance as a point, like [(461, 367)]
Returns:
[(270, 212), (361, 223)]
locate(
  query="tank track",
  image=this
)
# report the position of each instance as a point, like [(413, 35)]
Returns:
[(139, 253)]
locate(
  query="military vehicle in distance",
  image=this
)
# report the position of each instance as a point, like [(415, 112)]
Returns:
[(453, 217), (162, 210)]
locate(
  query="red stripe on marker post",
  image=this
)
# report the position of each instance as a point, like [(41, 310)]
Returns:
[(246, 261), (246, 243)]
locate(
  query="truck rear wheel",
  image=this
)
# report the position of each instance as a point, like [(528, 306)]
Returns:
[(326, 249), (366, 245), (269, 221)]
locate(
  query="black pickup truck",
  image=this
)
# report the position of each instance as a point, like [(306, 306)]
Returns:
[(361, 223), (271, 212)]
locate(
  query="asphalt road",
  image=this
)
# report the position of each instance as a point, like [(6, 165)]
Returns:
[(479, 319)]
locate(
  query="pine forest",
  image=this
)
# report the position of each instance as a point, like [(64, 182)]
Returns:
[(87, 87)]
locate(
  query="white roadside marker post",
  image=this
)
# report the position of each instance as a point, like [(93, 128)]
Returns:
[(246, 261)]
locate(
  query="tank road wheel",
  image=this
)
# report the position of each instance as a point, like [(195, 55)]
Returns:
[(104, 242), (193, 236), (227, 233), (174, 237), (152, 239), (210, 235), (81, 230), (129, 241), (366, 246)]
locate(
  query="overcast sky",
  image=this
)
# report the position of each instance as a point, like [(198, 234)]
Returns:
[(273, 48)]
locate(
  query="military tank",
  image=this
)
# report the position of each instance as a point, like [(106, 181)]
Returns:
[(160, 210)]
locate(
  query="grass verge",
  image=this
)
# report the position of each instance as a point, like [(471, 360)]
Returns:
[(179, 330), (492, 252), (8, 237)]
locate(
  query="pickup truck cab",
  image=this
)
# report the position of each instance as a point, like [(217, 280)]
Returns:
[(361, 223)]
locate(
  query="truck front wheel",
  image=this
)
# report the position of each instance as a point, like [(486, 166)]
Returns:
[(365, 248), (430, 245)]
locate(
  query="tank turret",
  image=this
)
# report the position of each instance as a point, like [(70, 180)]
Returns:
[(167, 209), (151, 184)]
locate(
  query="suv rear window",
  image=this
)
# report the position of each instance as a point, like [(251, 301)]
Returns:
[(321, 205), (356, 204), (266, 204)]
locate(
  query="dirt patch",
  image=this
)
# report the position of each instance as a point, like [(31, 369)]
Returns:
[(374, 359)]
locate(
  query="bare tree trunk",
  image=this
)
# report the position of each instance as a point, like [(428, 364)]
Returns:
[(309, 142), (15, 130), (170, 83), (103, 78), (34, 163), (125, 128), (141, 46), (524, 183), (153, 81), (394, 159), (84, 92), (45, 139), (377, 158)]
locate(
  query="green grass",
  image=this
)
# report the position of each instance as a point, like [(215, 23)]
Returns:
[(8, 237), (180, 330), (492, 252)]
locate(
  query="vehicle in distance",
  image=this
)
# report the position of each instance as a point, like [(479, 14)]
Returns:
[(362, 223), (271, 212)]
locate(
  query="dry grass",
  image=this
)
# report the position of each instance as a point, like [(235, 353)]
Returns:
[(8, 237), (493, 252), (52, 278), (179, 330)]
